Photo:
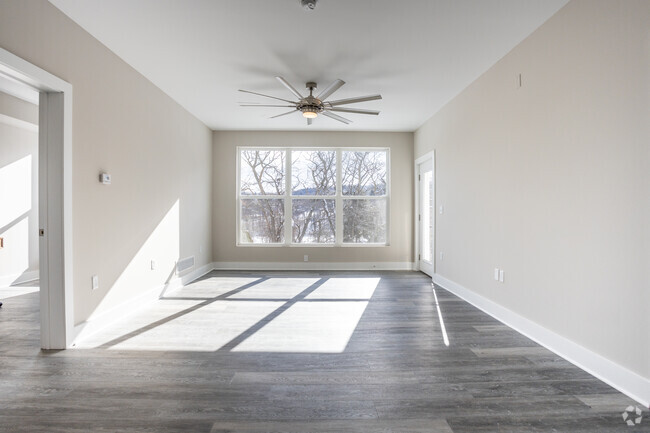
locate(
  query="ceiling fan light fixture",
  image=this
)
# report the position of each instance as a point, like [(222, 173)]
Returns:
[(311, 106)]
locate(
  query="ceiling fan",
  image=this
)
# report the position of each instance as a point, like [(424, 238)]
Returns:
[(311, 106)]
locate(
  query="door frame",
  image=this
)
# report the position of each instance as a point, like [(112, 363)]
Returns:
[(429, 156), (54, 197)]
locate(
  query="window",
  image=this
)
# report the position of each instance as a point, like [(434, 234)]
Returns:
[(313, 196)]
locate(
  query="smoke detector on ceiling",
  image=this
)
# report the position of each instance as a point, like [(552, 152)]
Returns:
[(308, 5)]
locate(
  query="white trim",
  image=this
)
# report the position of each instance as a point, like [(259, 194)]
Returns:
[(314, 266), (133, 305), (429, 156), (626, 381), (55, 197), (22, 277), (17, 89), (18, 123)]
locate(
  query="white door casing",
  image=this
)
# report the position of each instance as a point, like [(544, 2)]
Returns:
[(55, 197), (425, 214)]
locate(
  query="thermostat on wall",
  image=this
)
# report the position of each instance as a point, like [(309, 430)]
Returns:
[(105, 178)]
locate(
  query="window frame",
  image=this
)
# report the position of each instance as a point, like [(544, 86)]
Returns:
[(288, 197)]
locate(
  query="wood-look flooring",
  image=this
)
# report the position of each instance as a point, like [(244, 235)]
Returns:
[(298, 352)]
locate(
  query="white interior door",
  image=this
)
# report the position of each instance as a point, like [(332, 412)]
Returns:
[(425, 217)]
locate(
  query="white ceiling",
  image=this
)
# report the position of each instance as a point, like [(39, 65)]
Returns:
[(418, 54)]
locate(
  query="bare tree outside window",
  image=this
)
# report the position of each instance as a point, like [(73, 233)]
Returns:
[(313, 175), (314, 196), (262, 173), (313, 172), (364, 221), (314, 221), (262, 221), (364, 175)]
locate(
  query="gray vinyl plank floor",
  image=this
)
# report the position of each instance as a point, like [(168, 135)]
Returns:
[(297, 352)]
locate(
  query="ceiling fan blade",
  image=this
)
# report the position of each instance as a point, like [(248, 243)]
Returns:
[(336, 85), (309, 121), (352, 100), (353, 110), (266, 96), (283, 114), (264, 105), (336, 117), (286, 84)]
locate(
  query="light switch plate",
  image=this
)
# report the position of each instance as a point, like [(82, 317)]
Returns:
[(95, 282)]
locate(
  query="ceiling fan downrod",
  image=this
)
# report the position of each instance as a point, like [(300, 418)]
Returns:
[(311, 106)]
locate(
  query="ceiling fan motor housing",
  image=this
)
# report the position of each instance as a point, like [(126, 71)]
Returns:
[(310, 103), (308, 5), (311, 108)]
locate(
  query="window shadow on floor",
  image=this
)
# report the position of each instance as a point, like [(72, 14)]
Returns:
[(247, 313)]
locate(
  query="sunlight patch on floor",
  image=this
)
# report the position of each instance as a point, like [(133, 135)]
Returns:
[(158, 312), (205, 329), (245, 314), (314, 327), (345, 288), (276, 288), (10, 292), (210, 288)]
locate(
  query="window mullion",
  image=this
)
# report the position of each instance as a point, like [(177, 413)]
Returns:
[(288, 211), (339, 199)]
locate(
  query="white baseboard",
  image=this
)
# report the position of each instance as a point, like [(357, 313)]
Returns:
[(632, 384), (135, 304), (314, 266), (23, 277)]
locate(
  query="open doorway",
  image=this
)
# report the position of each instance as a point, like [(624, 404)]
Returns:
[(54, 196), (425, 213), (19, 255)]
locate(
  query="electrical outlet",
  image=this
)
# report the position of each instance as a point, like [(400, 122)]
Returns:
[(153, 265), (306, 258), (501, 275), (442, 209), (95, 282), (442, 255)]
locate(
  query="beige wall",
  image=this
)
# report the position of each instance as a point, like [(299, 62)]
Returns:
[(18, 189), (158, 206), (551, 181), (400, 249)]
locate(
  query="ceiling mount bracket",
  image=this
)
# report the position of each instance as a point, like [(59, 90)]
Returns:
[(308, 5)]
